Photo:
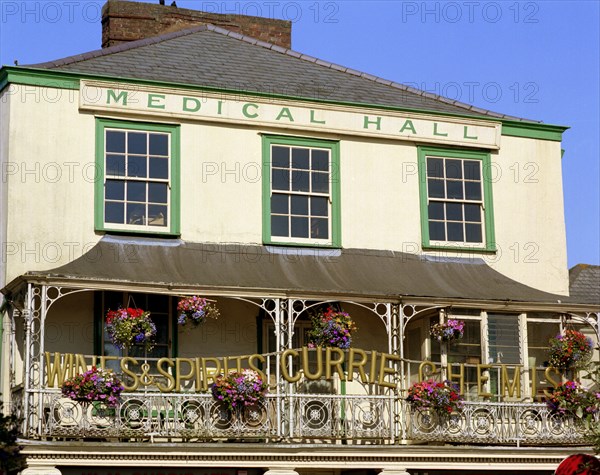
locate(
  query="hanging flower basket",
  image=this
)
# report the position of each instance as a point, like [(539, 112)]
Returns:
[(571, 350), (331, 329), (130, 326), (240, 389), (571, 397), (100, 385), (195, 310), (442, 398), (448, 331)]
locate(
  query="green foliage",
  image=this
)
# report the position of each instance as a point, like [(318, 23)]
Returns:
[(11, 459)]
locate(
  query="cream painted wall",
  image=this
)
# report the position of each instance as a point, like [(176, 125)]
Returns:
[(221, 191), (5, 97), (51, 192)]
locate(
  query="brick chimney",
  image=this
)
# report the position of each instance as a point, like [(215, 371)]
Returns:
[(124, 21)]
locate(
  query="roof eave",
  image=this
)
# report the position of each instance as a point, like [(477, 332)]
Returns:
[(70, 80)]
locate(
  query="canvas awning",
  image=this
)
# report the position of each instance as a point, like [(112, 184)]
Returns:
[(184, 267)]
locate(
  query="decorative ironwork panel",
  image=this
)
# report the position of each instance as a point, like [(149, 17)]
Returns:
[(157, 416), (497, 423), (342, 417)]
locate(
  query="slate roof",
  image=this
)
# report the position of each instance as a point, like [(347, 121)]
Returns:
[(181, 266), (584, 283), (207, 55)]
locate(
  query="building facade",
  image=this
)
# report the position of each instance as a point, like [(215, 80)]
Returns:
[(199, 154)]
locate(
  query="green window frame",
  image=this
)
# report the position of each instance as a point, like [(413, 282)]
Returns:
[(456, 200), (137, 177), (301, 191)]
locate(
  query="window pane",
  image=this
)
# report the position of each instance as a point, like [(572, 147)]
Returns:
[(473, 232), (136, 143), (454, 212), (114, 212), (157, 215), (473, 190), (455, 232), (453, 169), (159, 167), (437, 231), (436, 210), (472, 169), (115, 141), (279, 204), (318, 228), (503, 334), (159, 144), (300, 205), (157, 192), (114, 190), (320, 160), (454, 189), (300, 181), (281, 179), (300, 227), (136, 166), (300, 158), (279, 226), (320, 182), (136, 191), (435, 167), (280, 157), (136, 213), (318, 206), (115, 165), (436, 188), (473, 213)]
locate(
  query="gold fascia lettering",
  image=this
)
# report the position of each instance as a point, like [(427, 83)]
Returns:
[(123, 95), (423, 373), (550, 379), (376, 122), (359, 365), (59, 369), (194, 108), (179, 376), (238, 364), (313, 120), (285, 113), (373, 367), (482, 379), (408, 124), (438, 133), (385, 369), (169, 377), (125, 369), (256, 367), (507, 386), (154, 101), (460, 376), (210, 373), (286, 359), (306, 363), (245, 108), (334, 363), (466, 134)]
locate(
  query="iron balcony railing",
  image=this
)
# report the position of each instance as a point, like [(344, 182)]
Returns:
[(323, 418)]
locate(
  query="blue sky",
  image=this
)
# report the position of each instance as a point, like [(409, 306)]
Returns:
[(538, 60)]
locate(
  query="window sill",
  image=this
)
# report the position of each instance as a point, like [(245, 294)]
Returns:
[(137, 232), (478, 250)]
